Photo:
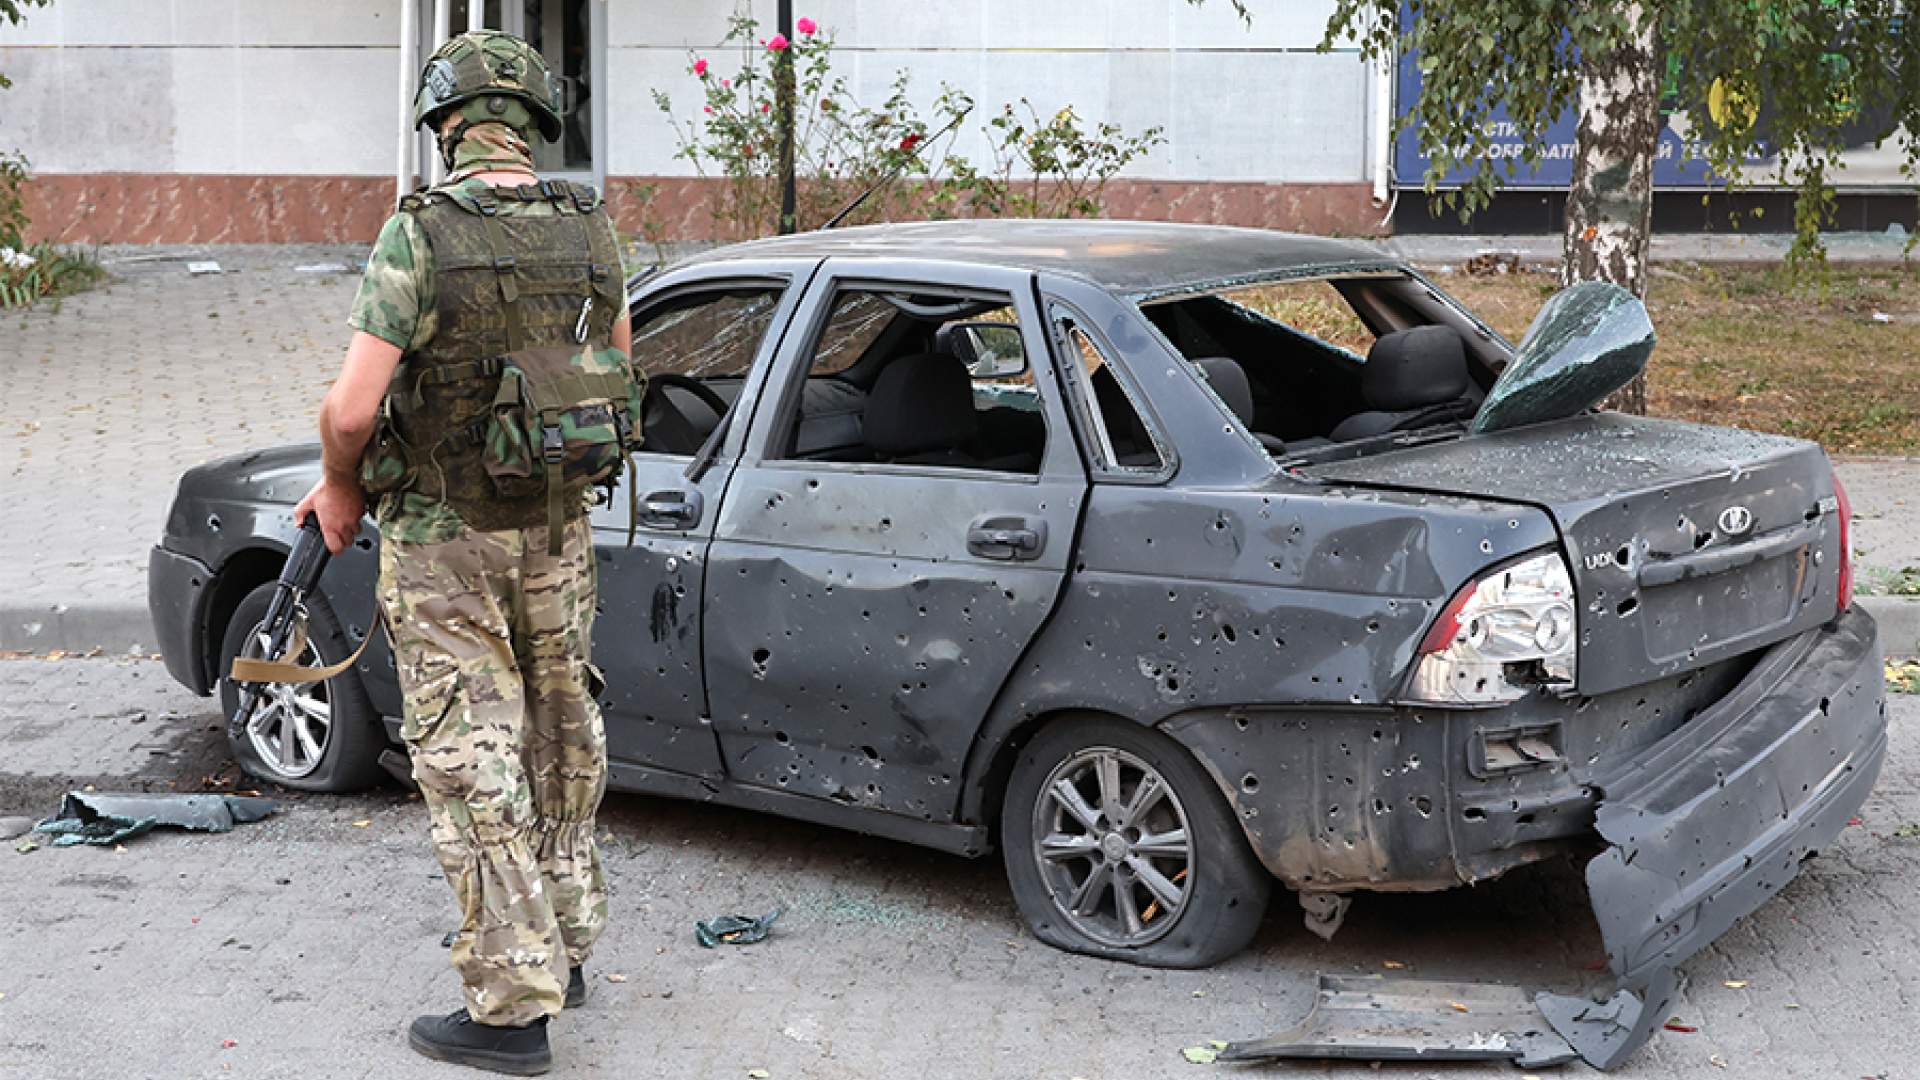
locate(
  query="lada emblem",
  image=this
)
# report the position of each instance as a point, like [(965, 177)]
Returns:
[(1735, 520)]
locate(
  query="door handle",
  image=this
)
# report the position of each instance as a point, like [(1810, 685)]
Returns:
[(1011, 538), (670, 509)]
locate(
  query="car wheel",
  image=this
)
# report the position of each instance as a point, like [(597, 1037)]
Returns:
[(1118, 844), (313, 737)]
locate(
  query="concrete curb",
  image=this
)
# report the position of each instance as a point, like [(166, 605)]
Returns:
[(115, 629), (118, 629)]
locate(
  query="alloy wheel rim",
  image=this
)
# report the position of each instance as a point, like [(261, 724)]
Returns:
[(290, 725), (1111, 842)]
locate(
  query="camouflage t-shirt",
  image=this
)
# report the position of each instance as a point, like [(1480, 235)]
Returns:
[(396, 303)]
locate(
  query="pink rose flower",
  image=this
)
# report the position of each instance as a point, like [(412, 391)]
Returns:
[(700, 67), (806, 25), (726, 84), (709, 108), (777, 43), (765, 107)]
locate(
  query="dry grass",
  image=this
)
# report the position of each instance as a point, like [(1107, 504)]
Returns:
[(1750, 348)]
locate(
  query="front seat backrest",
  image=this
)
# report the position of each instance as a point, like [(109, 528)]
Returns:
[(920, 406), (1412, 377)]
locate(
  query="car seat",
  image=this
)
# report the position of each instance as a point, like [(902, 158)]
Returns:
[(919, 411), (1412, 378), (1229, 382)]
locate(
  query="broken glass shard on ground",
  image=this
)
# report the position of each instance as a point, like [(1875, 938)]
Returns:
[(735, 929), (87, 817), (1588, 341)]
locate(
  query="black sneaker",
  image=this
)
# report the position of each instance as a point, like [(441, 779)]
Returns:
[(456, 1038), (576, 987)]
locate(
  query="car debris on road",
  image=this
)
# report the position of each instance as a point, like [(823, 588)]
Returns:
[(87, 817)]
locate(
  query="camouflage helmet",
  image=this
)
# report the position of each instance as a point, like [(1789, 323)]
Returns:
[(482, 63)]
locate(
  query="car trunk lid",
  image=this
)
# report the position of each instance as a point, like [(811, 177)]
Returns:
[(1687, 544)]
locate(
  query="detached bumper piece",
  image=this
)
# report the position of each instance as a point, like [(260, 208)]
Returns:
[(1703, 829), (1370, 1018)]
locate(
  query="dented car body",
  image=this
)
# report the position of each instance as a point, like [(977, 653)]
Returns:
[(1414, 629)]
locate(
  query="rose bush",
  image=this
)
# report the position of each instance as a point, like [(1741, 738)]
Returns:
[(1051, 167)]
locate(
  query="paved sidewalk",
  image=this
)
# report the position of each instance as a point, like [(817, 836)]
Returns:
[(112, 395), (297, 947)]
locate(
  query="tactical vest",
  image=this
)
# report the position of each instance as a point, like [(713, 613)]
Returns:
[(512, 409)]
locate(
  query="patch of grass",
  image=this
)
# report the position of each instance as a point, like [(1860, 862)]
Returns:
[(1753, 348), (54, 272), (1903, 676)]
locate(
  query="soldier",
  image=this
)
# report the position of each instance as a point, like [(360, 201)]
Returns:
[(486, 388)]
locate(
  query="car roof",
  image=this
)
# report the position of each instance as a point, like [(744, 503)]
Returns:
[(1133, 258)]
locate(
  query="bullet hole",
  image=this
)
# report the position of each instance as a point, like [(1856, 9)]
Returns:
[(1423, 806), (1377, 735), (813, 485), (1380, 807), (1240, 722), (872, 754), (1413, 762), (1219, 524), (886, 523), (1486, 547), (1173, 685), (1701, 540), (1227, 631), (1373, 626), (1149, 541), (1277, 565), (1162, 635), (782, 738), (1524, 819), (1250, 783), (1627, 607)]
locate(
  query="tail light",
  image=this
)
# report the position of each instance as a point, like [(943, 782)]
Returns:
[(1503, 634), (1845, 510)]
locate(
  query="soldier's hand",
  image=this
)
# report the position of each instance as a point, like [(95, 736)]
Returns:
[(339, 507)]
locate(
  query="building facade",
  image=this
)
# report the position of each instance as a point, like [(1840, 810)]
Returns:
[(251, 121)]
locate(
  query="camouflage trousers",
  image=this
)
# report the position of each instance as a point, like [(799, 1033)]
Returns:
[(491, 638)]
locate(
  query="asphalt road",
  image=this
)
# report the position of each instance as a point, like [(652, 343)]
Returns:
[(300, 946)]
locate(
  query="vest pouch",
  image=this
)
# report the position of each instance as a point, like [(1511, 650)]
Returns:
[(553, 416), (384, 466)]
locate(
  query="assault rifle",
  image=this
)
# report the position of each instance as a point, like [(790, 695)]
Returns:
[(284, 628)]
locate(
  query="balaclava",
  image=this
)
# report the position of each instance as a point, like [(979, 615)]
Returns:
[(492, 132)]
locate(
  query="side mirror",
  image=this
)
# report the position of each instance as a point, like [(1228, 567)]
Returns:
[(991, 350), (1589, 340)]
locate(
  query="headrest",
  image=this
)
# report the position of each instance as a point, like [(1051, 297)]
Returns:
[(920, 402), (1229, 380), (1411, 369)]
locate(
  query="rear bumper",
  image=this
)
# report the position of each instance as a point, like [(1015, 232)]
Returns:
[(1715, 819), (178, 587)]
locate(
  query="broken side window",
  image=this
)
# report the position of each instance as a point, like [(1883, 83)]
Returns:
[(1120, 433), (696, 348), (919, 379)]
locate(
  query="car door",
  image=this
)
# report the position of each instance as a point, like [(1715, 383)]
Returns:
[(711, 329), (863, 614)]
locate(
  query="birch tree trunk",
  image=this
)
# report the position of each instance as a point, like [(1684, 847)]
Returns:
[(1610, 203)]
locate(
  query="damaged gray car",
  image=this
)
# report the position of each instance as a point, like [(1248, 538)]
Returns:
[(1170, 561)]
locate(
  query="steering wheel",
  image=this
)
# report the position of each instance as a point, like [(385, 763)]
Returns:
[(691, 385)]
